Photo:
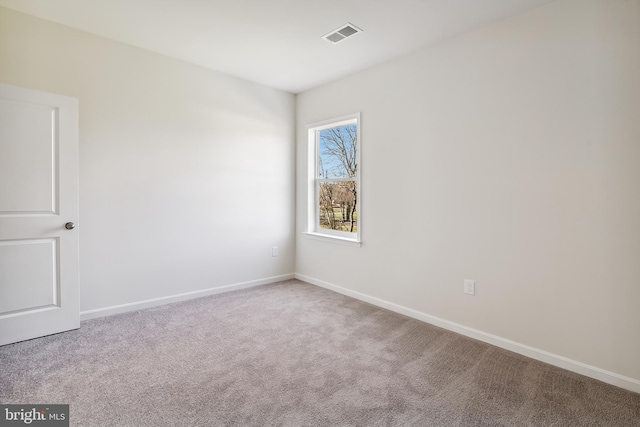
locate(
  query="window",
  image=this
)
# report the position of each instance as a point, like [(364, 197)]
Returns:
[(334, 184)]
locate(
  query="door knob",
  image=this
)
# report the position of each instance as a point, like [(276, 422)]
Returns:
[(69, 226)]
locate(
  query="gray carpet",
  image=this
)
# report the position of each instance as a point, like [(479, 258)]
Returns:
[(292, 354)]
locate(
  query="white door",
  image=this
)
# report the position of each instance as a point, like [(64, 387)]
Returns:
[(39, 292)]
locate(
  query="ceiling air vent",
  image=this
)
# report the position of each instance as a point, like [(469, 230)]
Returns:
[(347, 30)]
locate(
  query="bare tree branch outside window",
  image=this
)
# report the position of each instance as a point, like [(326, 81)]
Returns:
[(338, 170)]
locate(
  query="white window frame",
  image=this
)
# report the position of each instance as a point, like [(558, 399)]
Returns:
[(313, 227)]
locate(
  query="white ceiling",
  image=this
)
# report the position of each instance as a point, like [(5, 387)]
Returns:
[(276, 42)]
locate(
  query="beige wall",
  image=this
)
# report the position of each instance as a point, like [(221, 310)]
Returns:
[(186, 174), (510, 156)]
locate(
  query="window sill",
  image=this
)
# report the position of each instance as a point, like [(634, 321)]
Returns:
[(332, 239)]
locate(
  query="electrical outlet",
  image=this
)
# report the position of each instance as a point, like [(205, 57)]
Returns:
[(469, 287), (274, 251)]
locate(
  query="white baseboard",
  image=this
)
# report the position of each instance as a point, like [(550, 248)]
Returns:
[(525, 350), (138, 305)]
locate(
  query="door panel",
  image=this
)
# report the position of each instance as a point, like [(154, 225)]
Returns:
[(27, 175), (25, 288), (39, 292)]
